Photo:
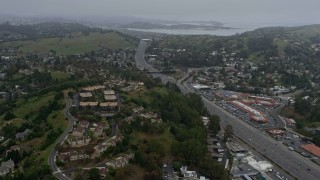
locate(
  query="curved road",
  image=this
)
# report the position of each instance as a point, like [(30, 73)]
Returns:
[(296, 165), (52, 156)]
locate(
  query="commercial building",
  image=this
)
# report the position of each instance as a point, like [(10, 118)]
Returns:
[(276, 132), (236, 148), (253, 114), (313, 149), (201, 87)]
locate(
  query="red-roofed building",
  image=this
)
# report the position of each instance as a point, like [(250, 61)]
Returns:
[(290, 122), (276, 132), (313, 149)]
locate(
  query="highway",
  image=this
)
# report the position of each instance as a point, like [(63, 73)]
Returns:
[(51, 161), (296, 165)]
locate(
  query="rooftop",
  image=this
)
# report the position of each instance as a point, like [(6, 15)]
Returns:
[(108, 92), (315, 150), (110, 97), (86, 95), (108, 104), (88, 103)]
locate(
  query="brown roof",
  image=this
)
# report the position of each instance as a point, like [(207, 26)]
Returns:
[(108, 104), (84, 123), (79, 129), (315, 150), (110, 97), (86, 95), (88, 103), (109, 92), (92, 88)]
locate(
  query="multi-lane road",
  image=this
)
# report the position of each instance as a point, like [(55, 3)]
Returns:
[(294, 164), (52, 156)]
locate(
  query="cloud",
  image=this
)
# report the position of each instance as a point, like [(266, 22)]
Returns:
[(224, 10)]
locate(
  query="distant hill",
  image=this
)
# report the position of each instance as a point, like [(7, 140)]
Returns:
[(64, 38), (48, 29), (184, 25)]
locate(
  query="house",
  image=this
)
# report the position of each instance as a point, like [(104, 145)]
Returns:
[(97, 129), (149, 115), (153, 117), (78, 155), (78, 141), (78, 131), (6, 167), (190, 175), (84, 124), (103, 172), (13, 148), (23, 135), (99, 149), (120, 161), (138, 110), (4, 95), (64, 156)]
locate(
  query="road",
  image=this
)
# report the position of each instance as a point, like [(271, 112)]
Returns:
[(52, 163), (275, 114), (291, 162)]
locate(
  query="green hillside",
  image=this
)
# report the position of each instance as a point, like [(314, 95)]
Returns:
[(68, 46)]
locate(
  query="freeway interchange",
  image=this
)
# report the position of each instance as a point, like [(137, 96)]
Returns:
[(294, 164)]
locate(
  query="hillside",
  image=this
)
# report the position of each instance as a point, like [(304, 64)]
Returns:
[(75, 45)]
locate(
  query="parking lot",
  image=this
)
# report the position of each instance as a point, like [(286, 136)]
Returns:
[(245, 116)]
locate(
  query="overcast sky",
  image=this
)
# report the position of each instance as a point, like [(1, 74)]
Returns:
[(247, 11)]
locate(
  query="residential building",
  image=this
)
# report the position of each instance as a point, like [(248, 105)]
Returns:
[(84, 124), (78, 155), (99, 149), (78, 141), (189, 175), (120, 161), (89, 105), (23, 135), (79, 131), (6, 167)]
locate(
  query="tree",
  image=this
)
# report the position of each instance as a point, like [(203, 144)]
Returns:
[(214, 124), (212, 169), (14, 156), (228, 132), (302, 106), (176, 116), (94, 174), (9, 116)]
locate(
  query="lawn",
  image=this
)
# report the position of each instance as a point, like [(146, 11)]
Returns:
[(68, 46)]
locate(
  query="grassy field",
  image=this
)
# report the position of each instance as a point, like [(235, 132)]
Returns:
[(166, 140), (59, 75), (31, 105), (58, 120), (68, 46)]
